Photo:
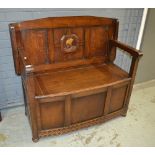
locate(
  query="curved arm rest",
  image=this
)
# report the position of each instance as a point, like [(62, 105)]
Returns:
[(132, 51), (136, 54)]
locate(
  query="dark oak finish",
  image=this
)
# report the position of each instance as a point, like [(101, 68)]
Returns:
[(68, 75)]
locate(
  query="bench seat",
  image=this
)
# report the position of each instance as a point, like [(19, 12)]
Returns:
[(78, 79)]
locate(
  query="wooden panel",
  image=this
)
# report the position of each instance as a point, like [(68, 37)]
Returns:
[(118, 98), (59, 54), (99, 41), (35, 46), (52, 114), (86, 124), (41, 38), (88, 107)]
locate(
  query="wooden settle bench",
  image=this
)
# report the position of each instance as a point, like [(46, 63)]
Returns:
[(68, 75)]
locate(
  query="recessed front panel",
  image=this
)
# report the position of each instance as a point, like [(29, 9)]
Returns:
[(87, 107), (52, 115), (118, 98)]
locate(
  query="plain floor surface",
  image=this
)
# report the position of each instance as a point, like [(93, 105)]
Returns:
[(136, 129)]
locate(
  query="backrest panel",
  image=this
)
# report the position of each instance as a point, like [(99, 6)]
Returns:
[(98, 41), (61, 39), (35, 46)]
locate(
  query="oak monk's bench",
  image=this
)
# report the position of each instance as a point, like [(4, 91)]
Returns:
[(68, 75)]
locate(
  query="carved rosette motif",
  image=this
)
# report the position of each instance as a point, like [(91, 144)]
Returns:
[(69, 43)]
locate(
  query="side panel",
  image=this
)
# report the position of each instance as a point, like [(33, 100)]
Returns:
[(118, 98)]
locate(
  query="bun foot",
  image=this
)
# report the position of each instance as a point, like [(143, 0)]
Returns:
[(124, 114), (35, 140)]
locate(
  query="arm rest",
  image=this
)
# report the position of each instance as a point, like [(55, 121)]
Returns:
[(136, 54), (132, 51)]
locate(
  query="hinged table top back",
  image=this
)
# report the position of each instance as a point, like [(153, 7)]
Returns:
[(68, 76), (60, 39)]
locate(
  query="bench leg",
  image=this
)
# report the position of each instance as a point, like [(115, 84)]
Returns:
[(0, 117), (124, 113), (35, 137), (25, 101), (35, 140)]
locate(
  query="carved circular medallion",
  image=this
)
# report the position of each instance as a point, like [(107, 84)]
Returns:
[(69, 43)]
